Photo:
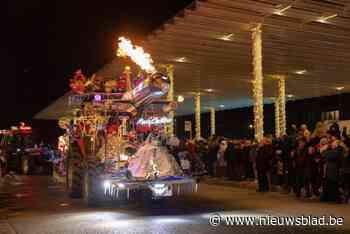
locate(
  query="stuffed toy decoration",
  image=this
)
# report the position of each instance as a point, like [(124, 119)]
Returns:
[(77, 84)]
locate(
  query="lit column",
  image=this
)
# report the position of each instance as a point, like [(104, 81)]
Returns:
[(212, 121), (258, 84), (282, 104), (277, 117), (170, 74), (197, 112)]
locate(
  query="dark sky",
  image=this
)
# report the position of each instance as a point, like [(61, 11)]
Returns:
[(44, 41)]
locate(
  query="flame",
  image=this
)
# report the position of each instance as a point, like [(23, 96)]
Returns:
[(136, 53)]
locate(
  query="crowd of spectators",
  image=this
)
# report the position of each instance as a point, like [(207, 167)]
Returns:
[(312, 165)]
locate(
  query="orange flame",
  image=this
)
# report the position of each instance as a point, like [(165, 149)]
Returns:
[(136, 53)]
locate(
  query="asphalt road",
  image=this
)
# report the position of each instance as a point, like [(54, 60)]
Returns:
[(36, 205)]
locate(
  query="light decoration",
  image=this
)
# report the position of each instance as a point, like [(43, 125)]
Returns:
[(197, 111), (324, 19), (221, 105), (136, 53), (154, 121), (277, 117), (258, 84), (212, 121), (339, 88), (181, 60), (180, 98), (228, 37), (290, 96), (280, 11), (171, 115), (300, 72), (280, 106)]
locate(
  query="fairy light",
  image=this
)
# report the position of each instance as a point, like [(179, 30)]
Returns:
[(197, 109), (258, 84), (277, 117)]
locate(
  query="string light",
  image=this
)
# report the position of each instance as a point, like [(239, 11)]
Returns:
[(258, 84), (197, 109)]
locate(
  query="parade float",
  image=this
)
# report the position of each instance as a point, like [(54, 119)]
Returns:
[(114, 148)]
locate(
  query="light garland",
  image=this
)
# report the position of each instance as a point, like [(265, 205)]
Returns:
[(282, 104), (197, 110), (212, 121), (258, 84), (277, 117), (171, 115)]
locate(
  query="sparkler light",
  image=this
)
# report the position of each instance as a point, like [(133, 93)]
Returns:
[(136, 53)]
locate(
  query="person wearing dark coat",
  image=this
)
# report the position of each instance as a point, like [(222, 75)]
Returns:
[(301, 162), (213, 148), (263, 163), (229, 157), (333, 157)]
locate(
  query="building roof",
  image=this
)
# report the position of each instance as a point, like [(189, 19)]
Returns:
[(210, 45)]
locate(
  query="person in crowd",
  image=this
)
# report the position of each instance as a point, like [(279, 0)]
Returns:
[(304, 132), (299, 155), (252, 157), (263, 163), (333, 156), (213, 146), (221, 163), (229, 157), (280, 171)]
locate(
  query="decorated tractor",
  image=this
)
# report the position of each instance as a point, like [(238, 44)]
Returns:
[(113, 144)]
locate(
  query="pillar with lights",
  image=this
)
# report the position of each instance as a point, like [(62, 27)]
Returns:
[(197, 111), (282, 104), (277, 117), (258, 83), (212, 121), (169, 127)]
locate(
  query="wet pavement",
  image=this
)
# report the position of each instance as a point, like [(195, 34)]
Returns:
[(37, 205)]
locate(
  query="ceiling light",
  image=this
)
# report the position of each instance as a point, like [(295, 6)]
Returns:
[(222, 106), (300, 72), (209, 90), (181, 60), (280, 11), (339, 88), (290, 95), (324, 19), (180, 98), (228, 37)]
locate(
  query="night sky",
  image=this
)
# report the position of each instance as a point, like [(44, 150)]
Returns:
[(44, 42)]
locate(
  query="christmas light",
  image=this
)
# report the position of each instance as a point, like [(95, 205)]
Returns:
[(258, 84), (197, 110)]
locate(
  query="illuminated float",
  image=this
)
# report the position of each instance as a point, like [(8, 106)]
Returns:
[(115, 135)]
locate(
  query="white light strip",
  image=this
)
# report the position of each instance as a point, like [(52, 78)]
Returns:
[(280, 12), (325, 18)]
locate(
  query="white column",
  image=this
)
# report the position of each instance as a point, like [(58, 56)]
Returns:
[(258, 84), (212, 121), (197, 111)]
